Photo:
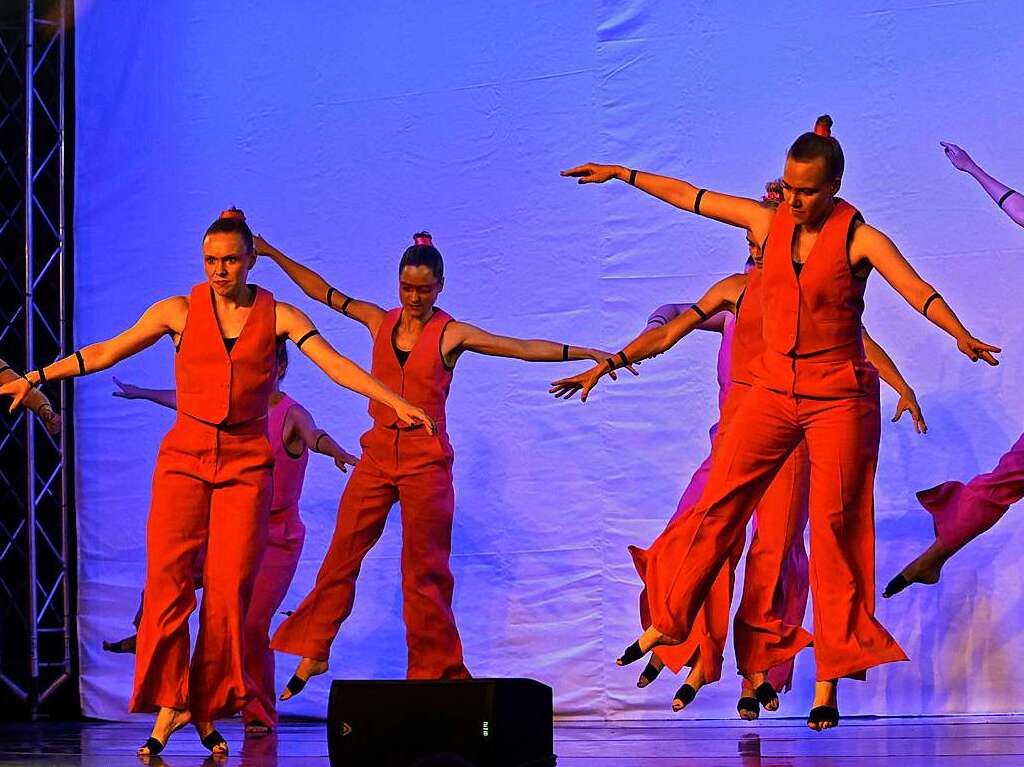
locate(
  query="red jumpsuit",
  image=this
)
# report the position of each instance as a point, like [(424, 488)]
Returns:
[(212, 489), (812, 383), (284, 545), (963, 512), (775, 586), (414, 469)]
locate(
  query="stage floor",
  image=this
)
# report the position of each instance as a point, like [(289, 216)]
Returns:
[(974, 741)]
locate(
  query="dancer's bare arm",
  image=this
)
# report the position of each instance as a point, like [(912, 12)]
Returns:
[(317, 288), (35, 400), (1011, 201), (166, 397), (870, 246), (743, 212), (300, 430), (165, 317), (722, 296), (668, 312), (889, 373), (300, 330)]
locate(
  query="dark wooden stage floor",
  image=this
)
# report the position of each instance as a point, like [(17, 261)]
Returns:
[(964, 741)]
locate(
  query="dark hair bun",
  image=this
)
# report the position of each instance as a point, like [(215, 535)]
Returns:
[(823, 125), (233, 212)]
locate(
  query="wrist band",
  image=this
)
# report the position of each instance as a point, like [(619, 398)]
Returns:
[(932, 297), (81, 363), (632, 177), (565, 352), (309, 335), (699, 312), (611, 365), (1003, 198), (623, 359), (42, 378), (316, 445), (344, 306), (330, 295), (696, 201)]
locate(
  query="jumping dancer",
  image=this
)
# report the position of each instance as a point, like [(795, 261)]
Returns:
[(212, 483), (415, 349), (293, 435), (962, 512), (812, 383)]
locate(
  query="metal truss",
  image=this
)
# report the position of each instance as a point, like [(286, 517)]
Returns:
[(36, 621)]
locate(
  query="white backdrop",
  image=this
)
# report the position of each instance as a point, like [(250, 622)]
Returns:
[(342, 128)]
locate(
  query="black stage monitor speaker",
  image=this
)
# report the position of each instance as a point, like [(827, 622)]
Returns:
[(488, 722)]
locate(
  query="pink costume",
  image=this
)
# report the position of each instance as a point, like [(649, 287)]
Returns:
[(963, 512)]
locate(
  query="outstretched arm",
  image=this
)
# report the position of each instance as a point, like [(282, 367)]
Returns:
[(743, 212), (721, 296), (316, 287), (871, 246), (1011, 201), (889, 373), (462, 337), (35, 400), (161, 318), (166, 397), (668, 312), (299, 329), (300, 427)]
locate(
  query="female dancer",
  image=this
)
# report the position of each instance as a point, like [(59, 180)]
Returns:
[(415, 348), (293, 435), (212, 483), (812, 383), (776, 582), (963, 512)]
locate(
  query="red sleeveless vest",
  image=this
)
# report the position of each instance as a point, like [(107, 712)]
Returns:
[(424, 380), (748, 334), (216, 387), (812, 324)]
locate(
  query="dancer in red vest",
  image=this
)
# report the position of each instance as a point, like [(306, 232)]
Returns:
[(962, 512), (768, 622), (415, 348), (293, 435), (812, 383), (36, 401), (212, 483)]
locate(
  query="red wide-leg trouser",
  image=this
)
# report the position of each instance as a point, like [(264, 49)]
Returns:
[(842, 441), (963, 512), (211, 488), (414, 469), (284, 546)]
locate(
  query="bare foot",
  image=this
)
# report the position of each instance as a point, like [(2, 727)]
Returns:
[(694, 680), (308, 667), (825, 696), (168, 721), (218, 746), (650, 672), (925, 569)]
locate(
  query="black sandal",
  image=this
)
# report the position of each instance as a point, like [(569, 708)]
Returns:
[(750, 705), (257, 727), (155, 746), (685, 694), (632, 654), (895, 586), (823, 715), (296, 684), (766, 694), (648, 675), (211, 740)]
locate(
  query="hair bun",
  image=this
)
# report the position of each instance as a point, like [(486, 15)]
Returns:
[(232, 212), (422, 238), (773, 191), (823, 126)]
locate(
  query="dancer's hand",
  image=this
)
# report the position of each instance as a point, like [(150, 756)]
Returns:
[(599, 356), (566, 388), (263, 248), (960, 159), (969, 345), (908, 404), (345, 460), (592, 173), (50, 418), (411, 414), (17, 389), (128, 391)]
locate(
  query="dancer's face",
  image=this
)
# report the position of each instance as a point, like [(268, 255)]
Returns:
[(418, 289), (755, 251), (227, 263), (808, 190)]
